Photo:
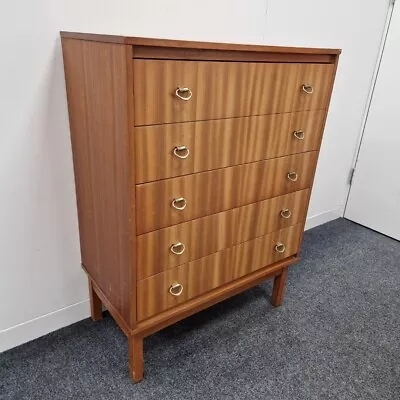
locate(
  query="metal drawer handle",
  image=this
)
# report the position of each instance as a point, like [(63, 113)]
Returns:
[(178, 248), (298, 135), (176, 289), (183, 90), (179, 203), (286, 213), (180, 149), (292, 176), (280, 247), (307, 88)]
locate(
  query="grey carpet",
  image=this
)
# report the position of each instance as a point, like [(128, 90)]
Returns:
[(337, 336)]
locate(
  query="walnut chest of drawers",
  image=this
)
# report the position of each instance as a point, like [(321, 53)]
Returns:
[(193, 165)]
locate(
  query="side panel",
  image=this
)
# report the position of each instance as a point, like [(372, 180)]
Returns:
[(99, 97)]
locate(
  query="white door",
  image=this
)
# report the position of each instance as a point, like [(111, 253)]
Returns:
[(374, 199)]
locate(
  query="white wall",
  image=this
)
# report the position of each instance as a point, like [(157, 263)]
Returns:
[(41, 284)]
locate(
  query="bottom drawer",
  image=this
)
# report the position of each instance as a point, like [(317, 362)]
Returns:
[(177, 285)]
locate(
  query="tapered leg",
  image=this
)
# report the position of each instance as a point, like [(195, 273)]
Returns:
[(95, 304), (279, 288), (136, 358)]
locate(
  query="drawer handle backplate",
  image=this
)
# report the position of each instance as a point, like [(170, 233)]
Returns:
[(280, 247), (286, 213), (178, 248), (179, 203), (176, 289), (298, 135), (292, 176), (183, 90), (307, 88), (181, 152)]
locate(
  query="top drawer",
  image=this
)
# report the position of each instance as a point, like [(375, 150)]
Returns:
[(225, 89)]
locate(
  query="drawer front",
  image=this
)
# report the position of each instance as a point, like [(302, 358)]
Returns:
[(200, 276), (165, 151), (225, 89), (206, 193), (166, 248)]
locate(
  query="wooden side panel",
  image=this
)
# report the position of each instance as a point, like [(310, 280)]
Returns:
[(216, 232), (98, 101), (219, 190), (222, 143), (213, 271), (225, 89)]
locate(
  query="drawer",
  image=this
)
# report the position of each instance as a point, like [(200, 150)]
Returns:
[(200, 276), (166, 248), (165, 151), (225, 89), (175, 200)]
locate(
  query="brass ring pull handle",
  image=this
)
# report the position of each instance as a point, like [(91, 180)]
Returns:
[(280, 247), (179, 203), (181, 149), (183, 90), (292, 176), (176, 289), (298, 134), (307, 88), (178, 248), (286, 213)]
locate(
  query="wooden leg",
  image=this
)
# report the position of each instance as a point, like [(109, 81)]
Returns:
[(136, 357), (95, 304), (279, 288)]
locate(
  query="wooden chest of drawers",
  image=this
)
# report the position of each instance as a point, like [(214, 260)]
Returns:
[(193, 164)]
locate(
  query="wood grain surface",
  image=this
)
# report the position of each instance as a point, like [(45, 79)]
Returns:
[(219, 190), (126, 120), (150, 52), (190, 307), (222, 143), (216, 232), (225, 89), (187, 44), (96, 81), (279, 288), (210, 272)]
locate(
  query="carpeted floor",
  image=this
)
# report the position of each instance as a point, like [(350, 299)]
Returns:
[(337, 336)]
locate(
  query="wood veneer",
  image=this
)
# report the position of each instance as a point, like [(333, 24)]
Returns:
[(218, 232), (98, 101), (125, 121), (225, 90), (213, 271), (214, 191), (187, 45), (223, 143)]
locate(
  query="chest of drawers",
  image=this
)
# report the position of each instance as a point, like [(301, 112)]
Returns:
[(193, 166)]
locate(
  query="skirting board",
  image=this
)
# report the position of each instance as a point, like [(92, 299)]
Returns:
[(323, 218), (45, 324), (34, 328)]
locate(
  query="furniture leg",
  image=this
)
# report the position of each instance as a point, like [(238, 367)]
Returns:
[(136, 357), (279, 288), (96, 310)]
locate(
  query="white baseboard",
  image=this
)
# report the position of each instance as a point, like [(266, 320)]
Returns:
[(34, 328), (323, 218), (40, 326)]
